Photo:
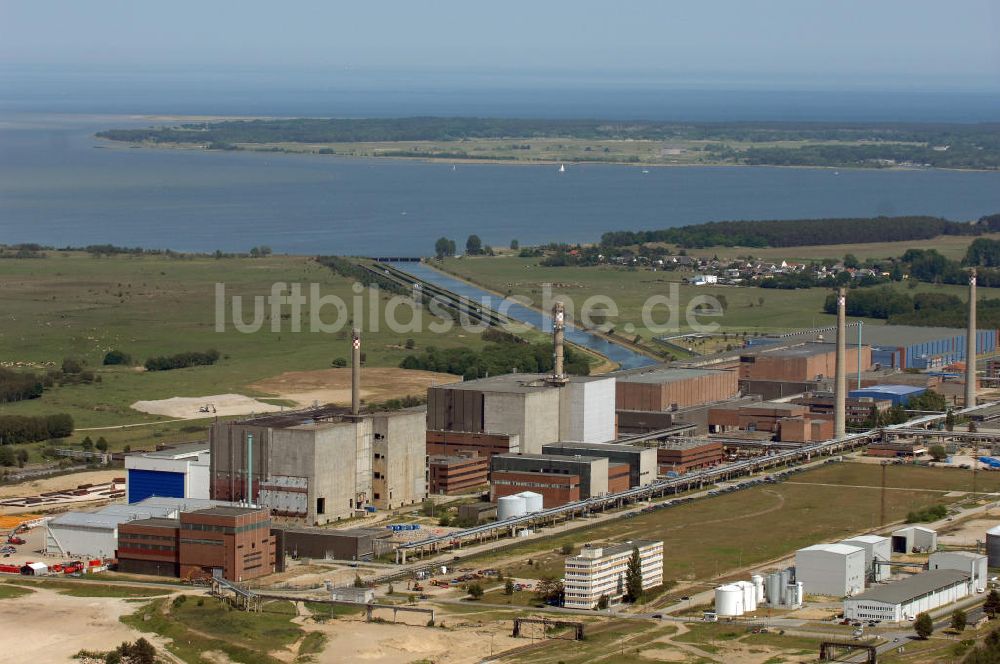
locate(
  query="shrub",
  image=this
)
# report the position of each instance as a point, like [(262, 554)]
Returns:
[(182, 360), (115, 357)]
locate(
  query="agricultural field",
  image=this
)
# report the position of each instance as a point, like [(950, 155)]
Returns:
[(746, 309), (709, 538), (74, 305)]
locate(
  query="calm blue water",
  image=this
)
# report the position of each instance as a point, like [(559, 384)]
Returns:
[(626, 358), (61, 186)]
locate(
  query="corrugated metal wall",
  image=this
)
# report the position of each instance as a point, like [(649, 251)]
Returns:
[(143, 484)]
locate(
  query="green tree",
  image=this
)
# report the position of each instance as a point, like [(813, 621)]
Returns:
[(923, 625), (7, 456), (473, 245), (515, 245), (851, 261), (22, 458), (602, 602), (444, 247), (949, 420), (87, 443), (566, 549), (938, 452), (475, 590), (113, 357), (958, 620), (508, 587), (549, 590), (359, 582), (101, 444), (633, 577), (992, 604)]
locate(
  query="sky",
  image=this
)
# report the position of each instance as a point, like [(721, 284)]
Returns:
[(927, 44)]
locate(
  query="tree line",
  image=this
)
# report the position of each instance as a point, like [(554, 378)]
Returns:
[(924, 309), (182, 360), (17, 429), (496, 357), (799, 232)]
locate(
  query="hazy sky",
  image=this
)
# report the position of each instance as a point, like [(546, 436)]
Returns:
[(836, 43)]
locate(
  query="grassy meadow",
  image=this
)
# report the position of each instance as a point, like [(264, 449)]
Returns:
[(71, 304)]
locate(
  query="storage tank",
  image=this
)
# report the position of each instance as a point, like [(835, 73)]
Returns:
[(772, 588), (532, 501), (729, 600), (794, 595), (758, 585), (993, 546), (511, 506), (786, 578)]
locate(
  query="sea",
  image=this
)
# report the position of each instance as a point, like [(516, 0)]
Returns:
[(61, 186)]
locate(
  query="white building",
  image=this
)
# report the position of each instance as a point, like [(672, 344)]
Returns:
[(95, 534), (973, 564), (177, 472), (600, 571), (914, 538), (876, 548), (830, 569), (903, 600), (704, 280)]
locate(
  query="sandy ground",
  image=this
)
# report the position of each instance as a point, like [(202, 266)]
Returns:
[(969, 532), (60, 483), (372, 643), (334, 385), (46, 626), (188, 407)]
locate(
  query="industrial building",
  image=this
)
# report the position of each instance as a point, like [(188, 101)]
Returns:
[(993, 546), (175, 472), (684, 454), (897, 395), (876, 548), (858, 410), (787, 422), (831, 569), (468, 443), (334, 544), (535, 407), (453, 475), (904, 600), (477, 512), (973, 564), (914, 539), (232, 542), (641, 461), (802, 362), (560, 479), (599, 571), (95, 534), (669, 389), (323, 464)]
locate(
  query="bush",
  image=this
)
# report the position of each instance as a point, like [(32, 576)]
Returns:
[(566, 549), (182, 360), (475, 590), (116, 357), (16, 429), (16, 386), (339, 363)]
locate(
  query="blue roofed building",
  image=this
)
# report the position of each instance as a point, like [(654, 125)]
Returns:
[(897, 394)]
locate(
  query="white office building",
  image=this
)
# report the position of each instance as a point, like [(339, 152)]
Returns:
[(973, 564), (903, 600), (600, 571), (830, 569)]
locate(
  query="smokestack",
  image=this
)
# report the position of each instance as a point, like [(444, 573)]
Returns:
[(355, 371), (970, 345), (248, 486), (840, 381), (558, 330)]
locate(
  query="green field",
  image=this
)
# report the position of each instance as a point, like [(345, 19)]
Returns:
[(71, 304), (707, 538), (746, 309)]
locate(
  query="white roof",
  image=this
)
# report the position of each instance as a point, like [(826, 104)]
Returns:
[(37, 566), (963, 554), (839, 549), (109, 517), (995, 530), (902, 531), (867, 539)]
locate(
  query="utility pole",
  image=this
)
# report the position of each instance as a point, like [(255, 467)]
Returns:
[(881, 521)]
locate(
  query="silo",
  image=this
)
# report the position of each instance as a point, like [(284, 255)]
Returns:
[(993, 546), (511, 506), (729, 600), (786, 578), (758, 585), (794, 595), (772, 588), (749, 596), (532, 501)]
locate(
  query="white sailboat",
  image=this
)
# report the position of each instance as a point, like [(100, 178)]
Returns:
[(562, 168)]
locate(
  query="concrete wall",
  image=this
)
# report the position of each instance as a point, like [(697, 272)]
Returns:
[(587, 411), (534, 416), (874, 550), (830, 573), (399, 449), (975, 565)]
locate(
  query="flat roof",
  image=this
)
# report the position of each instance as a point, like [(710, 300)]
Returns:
[(603, 447), (517, 383), (665, 375), (551, 457), (226, 511), (155, 522), (351, 533), (803, 349), (837, 548), (867, 539), (913, 587), (619, 547), (685, 443), (322, 417), (178, 451), (895, 390)]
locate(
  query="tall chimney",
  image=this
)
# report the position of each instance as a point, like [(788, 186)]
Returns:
[(970, 345), (840, 381), (248, 487), (355, 371), (558, 330)]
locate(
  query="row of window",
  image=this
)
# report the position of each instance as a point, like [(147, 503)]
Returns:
[(540, 485), (146, 547), (185, 540), (145, 538), (229, 530)]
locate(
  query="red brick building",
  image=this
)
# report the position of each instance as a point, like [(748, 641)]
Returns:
[(556, 488), (618, 477), (451, 475), (680, 456), (484, 445), (235, 542)]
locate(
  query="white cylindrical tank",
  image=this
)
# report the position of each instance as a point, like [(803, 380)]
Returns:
[(773, 588), (993, 546), (511, 506), (786, 578), (532, 501), (749, 596), (729, 600), (758, 585), (795, 595)]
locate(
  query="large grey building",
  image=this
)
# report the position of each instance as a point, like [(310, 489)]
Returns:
[(831, 569), (320, 465), (538, 410), (592, 470), (641, 460)]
